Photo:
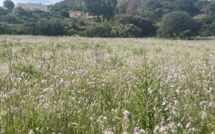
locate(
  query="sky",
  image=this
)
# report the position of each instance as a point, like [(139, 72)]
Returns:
[(44, 2)]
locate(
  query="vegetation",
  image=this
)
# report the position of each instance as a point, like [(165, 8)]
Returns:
[(9, 4), (106, 8), (178, 24), (86, 86), (133, 7), (137, 15)]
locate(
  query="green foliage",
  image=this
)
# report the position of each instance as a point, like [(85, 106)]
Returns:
[(202, 6), (3, 11), (127, 30), (154, 9), (94, 86), (14, 29), (106, 8), (64, 13), (121, 6), (206, 24), (146, 27), (133, 7), (20, 12), (99, 30), (62, 8), (29, 69), (146, 17), (8, 4), (3, 29), (143, 102), (187, 6), (211, 9), (51, 27), (67, 4), (12, 19), (126, 26), (208, 29), (177, 24)]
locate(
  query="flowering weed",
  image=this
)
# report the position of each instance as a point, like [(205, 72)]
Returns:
[(108, 86)]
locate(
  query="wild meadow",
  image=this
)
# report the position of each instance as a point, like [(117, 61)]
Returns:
[(74, 85)]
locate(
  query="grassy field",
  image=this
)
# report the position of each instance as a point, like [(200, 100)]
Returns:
[(74, 85)]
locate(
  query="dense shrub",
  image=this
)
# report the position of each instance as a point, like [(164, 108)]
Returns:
[(177, 24), (51, 27), (128, 30), (99, 30), (146, 27), (12, 19), (20, 12), (3, 11), (107, 30), (211, 9), (2, 29), (208, 29), (207, 25)]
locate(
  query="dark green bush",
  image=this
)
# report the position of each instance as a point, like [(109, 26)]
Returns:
[(128, 30), (12, 19), (146, 27), (99, 30), (208, 29), (3, 29), (177, 24)]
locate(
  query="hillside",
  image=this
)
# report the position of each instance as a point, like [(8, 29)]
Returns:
[(120, 18)]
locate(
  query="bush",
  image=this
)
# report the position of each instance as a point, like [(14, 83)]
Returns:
[(12, 19), (20, 12), (207, 25), (3, 11), (128, 30), (146, 27), (3, 29), (211, 9), (177, 24), (208, 29), (100, 30), (51, 27)]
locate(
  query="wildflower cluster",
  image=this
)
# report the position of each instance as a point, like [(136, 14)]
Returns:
[(109, 86)]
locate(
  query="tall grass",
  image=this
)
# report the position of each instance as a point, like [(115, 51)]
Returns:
[(91, 85)]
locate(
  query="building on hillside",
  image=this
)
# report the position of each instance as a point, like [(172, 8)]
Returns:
[(33, 6), (80, 14)]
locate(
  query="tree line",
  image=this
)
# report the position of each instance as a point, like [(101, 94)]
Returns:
[(120, 18)]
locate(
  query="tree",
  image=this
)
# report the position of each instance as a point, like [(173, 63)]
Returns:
[(146, 27), (122, 5), (152, 10), (128, 30), (12, 19), (207, 30), (133, 7), (101, 30), (106, 8), (51, 27), (68, 4), (177, 24), (211, 9), (9, 4), (187, 6), (3, 11), (202, 6), (20, 12), (64, 13), (3, 29)]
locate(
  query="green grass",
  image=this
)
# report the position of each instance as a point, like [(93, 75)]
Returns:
[(92, 85)]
